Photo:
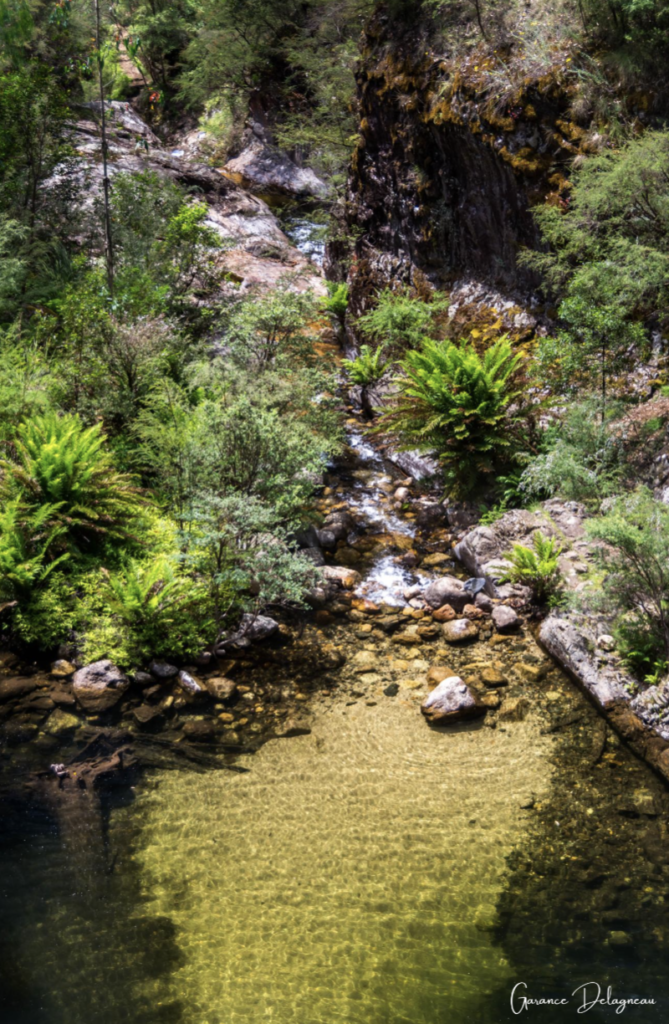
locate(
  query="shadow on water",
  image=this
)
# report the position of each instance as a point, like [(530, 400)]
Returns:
[(588, 892), (75, 945)]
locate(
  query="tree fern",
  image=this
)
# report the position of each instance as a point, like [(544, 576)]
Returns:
[(456, 402), (65, 466)]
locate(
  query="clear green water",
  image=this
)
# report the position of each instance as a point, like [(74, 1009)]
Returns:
[(351, 876)]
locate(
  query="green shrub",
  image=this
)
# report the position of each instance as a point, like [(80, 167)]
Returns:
[(399, 321), (336, 302), (537, 569), (26, 539), (64, 467), (583, 458), (457, 403), (367, 368), (635, 558)]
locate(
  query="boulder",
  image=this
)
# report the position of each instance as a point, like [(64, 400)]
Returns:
[(505, 619), (262, 168), (339, 524), (451, 701), (483, 602), (143, 679), (459, 630), (326, 539), (492, 677), (220, 688), (314, 555), (189, 684), (145, 714), (252, 629), (99, 687), (446, 590)]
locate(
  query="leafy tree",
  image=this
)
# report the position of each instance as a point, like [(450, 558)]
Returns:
[(610, 248), (583, 459), (240, 546), (459, 404), (272, 330), (159, 232)]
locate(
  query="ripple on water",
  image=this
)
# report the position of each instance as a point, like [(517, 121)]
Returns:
[(351, 876)]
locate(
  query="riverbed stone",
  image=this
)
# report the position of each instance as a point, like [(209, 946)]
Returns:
[(189, 684), (200, 730), (163, 670), (292, 727), (145, 714), (99, 686), (470, 611), (446, 590), (451, 701), (341, 576), (220, 687), (492, 677), (505, 619), (348, 556), (514, 709), (434, 560), (364, 661), (11, 689), (60, 722), (444, 614), (63, 669), (459, 630), (437, 673), (483, 602)]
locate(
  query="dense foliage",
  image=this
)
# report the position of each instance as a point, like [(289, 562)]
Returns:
[(456, 402)]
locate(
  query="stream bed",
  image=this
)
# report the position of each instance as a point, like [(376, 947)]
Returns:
[(372, 870)]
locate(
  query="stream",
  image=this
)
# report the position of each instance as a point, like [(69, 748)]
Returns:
[(372, 871)]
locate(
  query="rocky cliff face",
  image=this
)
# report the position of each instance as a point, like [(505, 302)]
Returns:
[(452, 154)]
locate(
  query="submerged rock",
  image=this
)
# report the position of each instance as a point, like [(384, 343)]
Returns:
[(452, 701), (505, 619), (10, 689), (99, 687), (220, 687), (60, 722), (459, 630), (62, 669)]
